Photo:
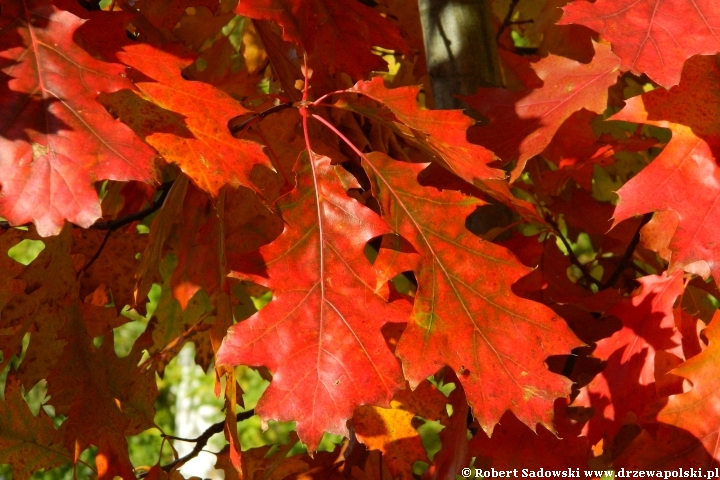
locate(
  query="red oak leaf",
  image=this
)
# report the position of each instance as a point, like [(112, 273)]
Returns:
[(188, 122), (627, 384), (165, 14), (522, 124), (320, 335), (27, 442), (575, 150), (55, 139), (454, 452), (392, 430), (513, 445), (95, 390), (571, 41), (684, 177), (336, 34), (654, 37), (441, 133), (465, 307), (669, 448), (689, 431)]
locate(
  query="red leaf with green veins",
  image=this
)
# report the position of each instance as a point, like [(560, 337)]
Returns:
[(628, 382), (522, 124), (466, 315), (55, 139), (338, 34), (188, 122), (654, 37), (320, 335), (685, 176)]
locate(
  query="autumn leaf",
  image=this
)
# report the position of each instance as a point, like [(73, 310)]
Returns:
[(186, 121), (441, 133), (166, 14), (55, 139), (48, 286), (100, 396), (392, 431), (576, 149), (522, 124), (320, 334), (689, 431), (628, 382), (27, 442), (454, 439), (684, 177), (514, 445), (654, 37), (337, 35), (116, 270), (346, 243), (571, 41), (464, 304)]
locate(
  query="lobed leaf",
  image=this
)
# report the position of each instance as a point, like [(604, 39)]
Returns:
[(55, 139), (464, 306)]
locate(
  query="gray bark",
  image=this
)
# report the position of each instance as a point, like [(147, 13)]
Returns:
[(460, 48)]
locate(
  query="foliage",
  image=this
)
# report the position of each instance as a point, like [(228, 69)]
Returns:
[(263, 183)]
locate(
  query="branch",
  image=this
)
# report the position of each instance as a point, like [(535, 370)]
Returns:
[(122, 221), (508, 19), (113, 225), (200, 442), (97, 254), (629, 251), (573, 258), (134, 217), (235, 129)]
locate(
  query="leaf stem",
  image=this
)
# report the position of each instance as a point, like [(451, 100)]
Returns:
[(575, 261), (629, 251), (256, 117), (97, 253)]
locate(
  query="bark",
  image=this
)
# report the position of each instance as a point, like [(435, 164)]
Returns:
[(460, 47)]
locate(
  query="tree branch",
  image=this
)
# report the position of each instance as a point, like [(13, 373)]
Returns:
[(97, 253), (252, 118), (629, 251), (122, 221), (508, 19), (571, 254), (200, 442), (134, 217)]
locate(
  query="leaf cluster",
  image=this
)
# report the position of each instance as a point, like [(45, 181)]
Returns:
[(267, 181)]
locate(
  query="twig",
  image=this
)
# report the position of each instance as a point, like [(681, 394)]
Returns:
[(113, 225), (134, 217), (521, 22), (573, 258), (97, 253), (201, 442), (118, 222), (629, 251), (257, 116), (508, 19)]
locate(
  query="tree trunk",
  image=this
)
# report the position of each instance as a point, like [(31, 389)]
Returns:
[(460, 47)]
